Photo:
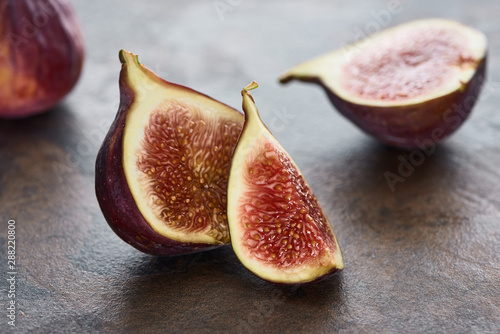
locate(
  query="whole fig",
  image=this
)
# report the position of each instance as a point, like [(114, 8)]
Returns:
[(41, 55)]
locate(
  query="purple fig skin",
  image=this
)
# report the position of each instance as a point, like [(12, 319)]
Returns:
[(42, 54), (115, 198), (407, 127)]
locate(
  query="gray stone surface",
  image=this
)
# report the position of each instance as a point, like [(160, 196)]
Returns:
[(422, 258)]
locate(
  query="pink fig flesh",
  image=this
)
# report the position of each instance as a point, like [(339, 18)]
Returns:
[(278, 229)]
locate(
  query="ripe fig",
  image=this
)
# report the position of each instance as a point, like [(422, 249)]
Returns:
[(407, 85), (278, 229), (41, 55), (162, 170)]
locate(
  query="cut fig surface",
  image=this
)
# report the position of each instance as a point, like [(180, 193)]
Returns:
[(162, 171), (414, 62), (278, 229), (182, 169), (403, 83)]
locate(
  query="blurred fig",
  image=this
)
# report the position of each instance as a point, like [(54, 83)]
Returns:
[(407, 86), (41, 55)]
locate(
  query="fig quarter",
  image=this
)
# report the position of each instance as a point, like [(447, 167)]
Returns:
[(278, 228)]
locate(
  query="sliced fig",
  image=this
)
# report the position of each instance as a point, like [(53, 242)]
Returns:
[(278, 229), (406, 85), (162, 170)]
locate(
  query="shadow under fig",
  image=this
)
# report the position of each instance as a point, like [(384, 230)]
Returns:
[(213, 290), (354, 186), (45, 124), (219, 260), (77, 138), (381, 169), (56, 126)]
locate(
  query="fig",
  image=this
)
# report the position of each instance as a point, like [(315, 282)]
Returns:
[(162, 170), (408, 85), (278, 229), (41, 55)]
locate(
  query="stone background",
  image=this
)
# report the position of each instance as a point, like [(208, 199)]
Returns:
[(422, 258)]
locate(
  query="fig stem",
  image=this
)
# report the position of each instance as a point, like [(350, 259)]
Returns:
[(125, 56), (249, 107), (250, 86)]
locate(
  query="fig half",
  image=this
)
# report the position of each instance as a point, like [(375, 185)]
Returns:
[(405, 85), (162, 170), (278, 229)]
